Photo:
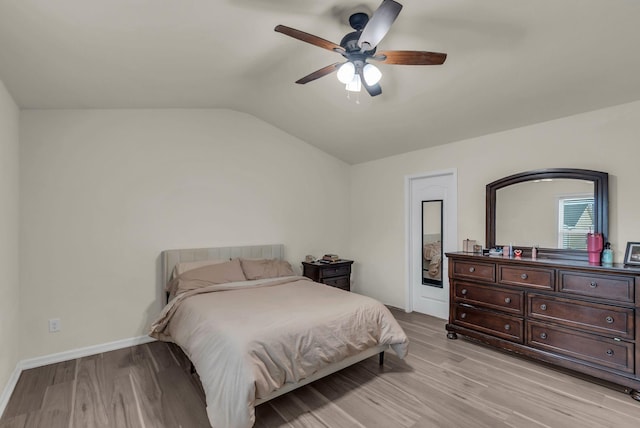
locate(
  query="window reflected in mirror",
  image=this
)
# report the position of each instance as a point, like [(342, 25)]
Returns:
[(575, 221), (432, 243)]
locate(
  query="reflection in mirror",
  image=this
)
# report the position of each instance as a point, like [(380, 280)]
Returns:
[(548, 213), (557, 218), (432, 243)]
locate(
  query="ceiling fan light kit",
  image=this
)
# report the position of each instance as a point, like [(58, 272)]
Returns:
[(360, 46)]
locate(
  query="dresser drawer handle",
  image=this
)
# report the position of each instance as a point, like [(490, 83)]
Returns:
[(507, 299), (463, 315), (609, 319), (472, 269), (610, 352), (543, 307), (507, 327), (543, 335), (464, 291), (593, 284), (524, 276)]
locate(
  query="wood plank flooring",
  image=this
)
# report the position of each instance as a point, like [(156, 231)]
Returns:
[(442, 383)]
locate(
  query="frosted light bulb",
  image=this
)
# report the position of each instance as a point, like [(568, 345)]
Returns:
[(346, 72), (371, 74)]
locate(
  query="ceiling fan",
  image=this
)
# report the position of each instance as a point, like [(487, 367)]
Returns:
[(359, 46)]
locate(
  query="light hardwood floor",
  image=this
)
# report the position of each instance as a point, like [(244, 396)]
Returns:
[(442, 383)]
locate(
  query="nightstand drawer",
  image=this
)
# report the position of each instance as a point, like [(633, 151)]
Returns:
[(610, 287), (338, 282), (331, 271)]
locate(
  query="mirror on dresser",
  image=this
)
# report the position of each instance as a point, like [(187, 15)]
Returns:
[(552, 209)]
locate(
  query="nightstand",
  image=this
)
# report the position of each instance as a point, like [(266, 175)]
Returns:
[(337, 274)]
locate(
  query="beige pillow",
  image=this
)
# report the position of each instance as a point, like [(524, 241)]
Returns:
[(218, 273), (182, 267), (266, 268)]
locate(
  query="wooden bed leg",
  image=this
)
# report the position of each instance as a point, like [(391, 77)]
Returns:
[(381, 358)]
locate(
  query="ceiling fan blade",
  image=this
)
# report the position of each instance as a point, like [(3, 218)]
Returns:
[(373, 90), (319, 73), (309, 38), (379, 24), (411, 57)]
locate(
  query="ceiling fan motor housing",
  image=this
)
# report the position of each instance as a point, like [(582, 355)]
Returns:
[(358, 21)]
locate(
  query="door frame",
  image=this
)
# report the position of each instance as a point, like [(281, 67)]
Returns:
[(410, 235)]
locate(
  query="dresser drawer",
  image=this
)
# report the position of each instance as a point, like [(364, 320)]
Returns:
[(598, 318), (501, 325), (471, 270), (610, 287), (338, 282), (527, 277), (490, 297), (328, 272), (605, 352)]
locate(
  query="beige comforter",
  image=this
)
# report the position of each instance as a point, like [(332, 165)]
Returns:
[(247, 339)]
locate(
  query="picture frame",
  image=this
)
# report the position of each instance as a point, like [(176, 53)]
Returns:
[(632, 254)]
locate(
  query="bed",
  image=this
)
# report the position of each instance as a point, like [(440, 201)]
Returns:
[(254, 330)]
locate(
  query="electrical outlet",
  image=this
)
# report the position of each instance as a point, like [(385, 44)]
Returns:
[(54, 325)]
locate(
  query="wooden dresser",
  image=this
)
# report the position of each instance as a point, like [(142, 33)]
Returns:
[(336, 274), (571, 314)]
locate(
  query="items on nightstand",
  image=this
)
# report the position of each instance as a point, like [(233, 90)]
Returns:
[(331, 257)]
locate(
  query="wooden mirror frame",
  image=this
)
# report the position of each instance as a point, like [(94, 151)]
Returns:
[(600, 197)]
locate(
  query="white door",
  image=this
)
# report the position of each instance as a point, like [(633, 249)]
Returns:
[(440, 185)]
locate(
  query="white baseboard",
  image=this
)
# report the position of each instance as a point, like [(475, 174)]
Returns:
[(64, 356), (8, 390)]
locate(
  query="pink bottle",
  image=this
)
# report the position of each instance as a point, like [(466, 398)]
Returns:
[(594, 247)]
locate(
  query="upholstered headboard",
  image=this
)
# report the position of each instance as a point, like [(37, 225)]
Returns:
[(171, 257)]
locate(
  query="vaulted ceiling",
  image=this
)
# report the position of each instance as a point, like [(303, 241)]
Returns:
[(510, 63)]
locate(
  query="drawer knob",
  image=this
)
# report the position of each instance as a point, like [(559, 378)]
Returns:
[(610, 352), (464, 291), (543, 307), (543, 335), (609, 319), (463, 315), (472, 269), (593, 284), (507, 327), (524, 276), (507, 299)]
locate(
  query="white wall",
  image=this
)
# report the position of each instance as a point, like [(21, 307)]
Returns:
[(104, 191), (9, 221), (604, 140)]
